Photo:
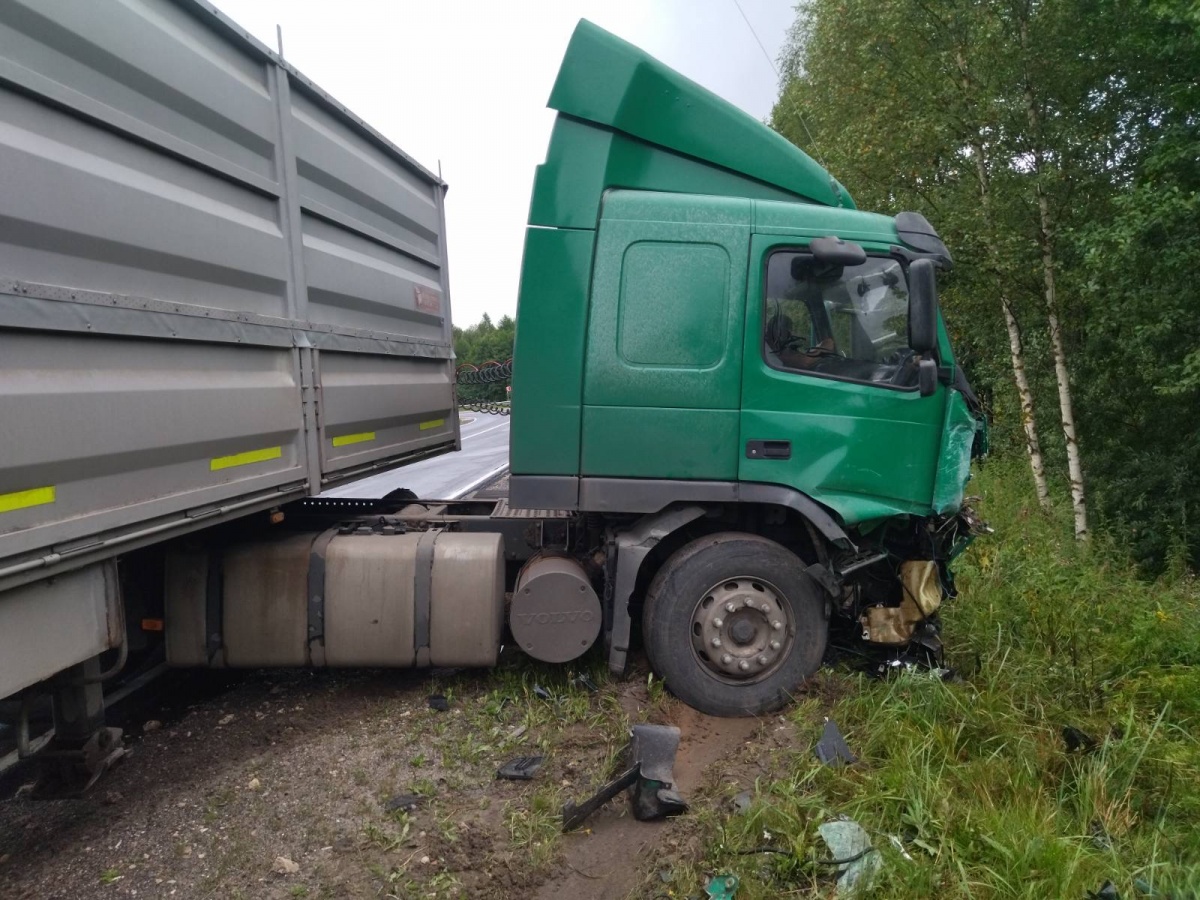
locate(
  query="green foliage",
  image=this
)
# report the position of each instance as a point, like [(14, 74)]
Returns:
[(972, 776), (922, 104), (483, 343)]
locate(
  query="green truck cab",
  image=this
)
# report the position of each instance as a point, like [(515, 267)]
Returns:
[(707, 323)]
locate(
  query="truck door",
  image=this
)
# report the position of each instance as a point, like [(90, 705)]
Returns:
[(830, 402), (662, 381)]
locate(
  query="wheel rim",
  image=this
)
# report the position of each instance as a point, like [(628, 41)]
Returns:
[(742, 629)]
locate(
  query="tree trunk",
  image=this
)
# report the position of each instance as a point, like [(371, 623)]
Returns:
[(1015, 347), (1046, 240), (1074, 467), (1032, 444)]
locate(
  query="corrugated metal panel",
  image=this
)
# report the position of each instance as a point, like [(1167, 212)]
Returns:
[(121, 430), (211, 274), (378, 407)]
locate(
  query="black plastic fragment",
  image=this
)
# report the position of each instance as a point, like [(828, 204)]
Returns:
[(438, 702), (405, 802), (1108, 891), (832, 749), (523, 768), (1077, 741), (541, 692)]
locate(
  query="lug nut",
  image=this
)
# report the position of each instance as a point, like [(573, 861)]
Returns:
[(729, 607), (775, 645), (717, 623), (777, 625), (716, 642), (726, 659), (743, 665), (762, 660)]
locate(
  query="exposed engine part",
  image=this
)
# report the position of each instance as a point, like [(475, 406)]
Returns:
[(921, 597), (333, 599), (555, 615)]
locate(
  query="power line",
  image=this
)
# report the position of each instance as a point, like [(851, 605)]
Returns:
[(767, 56)]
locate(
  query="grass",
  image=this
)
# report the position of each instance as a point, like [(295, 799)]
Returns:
[(972, 778)]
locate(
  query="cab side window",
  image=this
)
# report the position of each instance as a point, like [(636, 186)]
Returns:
[(848, 323)]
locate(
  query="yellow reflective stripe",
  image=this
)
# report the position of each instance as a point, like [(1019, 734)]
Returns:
[(244, 459), (353, 438), (24, 499), (434, 423)]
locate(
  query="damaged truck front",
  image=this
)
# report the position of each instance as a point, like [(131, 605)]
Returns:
[(743, 377)]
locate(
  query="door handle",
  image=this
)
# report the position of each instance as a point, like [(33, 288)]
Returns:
[(768, 449)]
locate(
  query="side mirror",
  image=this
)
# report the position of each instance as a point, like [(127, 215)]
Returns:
[(833, 251), (922, 306), (927, 377)]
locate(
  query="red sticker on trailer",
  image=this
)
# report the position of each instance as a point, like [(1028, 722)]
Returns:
[(427, 300)]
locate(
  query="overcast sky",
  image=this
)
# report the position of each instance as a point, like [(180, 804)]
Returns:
[(465, 83)]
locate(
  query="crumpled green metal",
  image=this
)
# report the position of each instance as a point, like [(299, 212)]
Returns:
[(954, 462)]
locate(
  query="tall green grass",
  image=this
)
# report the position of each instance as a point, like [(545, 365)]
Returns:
[(972, 777)]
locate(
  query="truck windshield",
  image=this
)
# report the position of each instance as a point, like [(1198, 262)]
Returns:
[(849, 323)]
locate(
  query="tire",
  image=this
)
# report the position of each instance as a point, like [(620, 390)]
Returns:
[(773, 601)]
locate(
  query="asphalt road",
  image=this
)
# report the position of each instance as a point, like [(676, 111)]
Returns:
[(484, 455)]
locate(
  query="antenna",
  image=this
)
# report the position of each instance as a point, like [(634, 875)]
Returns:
[(279, 39), (811, 140)]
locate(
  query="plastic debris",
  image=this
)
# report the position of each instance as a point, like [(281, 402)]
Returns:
[(721, 887), (438, 702), (899, 845), (853, 855), (1108, 891), (523, 768), (541, 693), (832, 749), (742, 802), (585, 682), (650, 780), (1077, 741), (402, 802)]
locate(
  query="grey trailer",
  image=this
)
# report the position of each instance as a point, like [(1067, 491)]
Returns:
[(219, 291)]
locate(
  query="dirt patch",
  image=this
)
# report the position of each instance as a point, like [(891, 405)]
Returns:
[(309, 767), (610, 856)]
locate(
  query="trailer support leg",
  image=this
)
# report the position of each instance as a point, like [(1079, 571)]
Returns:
[(83, 749)]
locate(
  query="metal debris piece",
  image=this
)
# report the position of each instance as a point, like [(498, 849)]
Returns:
[(405, 802), (523, 768), (585, 682), (1108, 891), (832, 749), (438, 702), (650, 779), (1077, 741), (853, 855), (721, 887)]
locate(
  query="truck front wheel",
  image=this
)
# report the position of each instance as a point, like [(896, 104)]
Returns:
[(734, 625)]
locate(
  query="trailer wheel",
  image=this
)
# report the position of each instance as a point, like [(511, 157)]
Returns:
[(734, 625)]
